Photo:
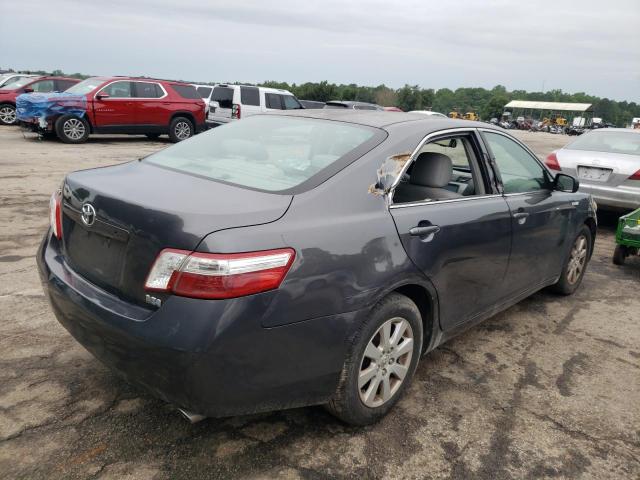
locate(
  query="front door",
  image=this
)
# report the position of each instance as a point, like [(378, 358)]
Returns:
[(541, 217), (115, 111), (455, 227)]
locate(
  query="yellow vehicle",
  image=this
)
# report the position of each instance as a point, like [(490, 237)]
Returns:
[(454, 115), (471, 116), (560, 121)]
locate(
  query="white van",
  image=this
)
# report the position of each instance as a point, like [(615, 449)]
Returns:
[(233, 102), (205, 93)]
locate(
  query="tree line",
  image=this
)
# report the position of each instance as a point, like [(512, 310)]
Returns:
[(486, 103)]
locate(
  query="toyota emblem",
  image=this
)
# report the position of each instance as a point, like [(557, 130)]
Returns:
[(88, 214)]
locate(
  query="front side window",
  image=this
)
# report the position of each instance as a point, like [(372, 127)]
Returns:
[(520, 172), (250, 96), (118, 90), (148, 90), (265, 152), (444, 169), (43, 86), (290, 102)]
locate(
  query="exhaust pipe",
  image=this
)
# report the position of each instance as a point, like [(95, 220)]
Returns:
[(192, 417)]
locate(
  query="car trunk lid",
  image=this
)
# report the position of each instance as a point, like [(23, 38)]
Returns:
[(610, 169), (134, 210)]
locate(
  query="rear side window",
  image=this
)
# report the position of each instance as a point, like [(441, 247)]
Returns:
[(64, 84), (186, 91), (224, 96), (273, 100), (290, 102), (148, 90), (250, 96), (204, 91), (118, 90), (267, 152)]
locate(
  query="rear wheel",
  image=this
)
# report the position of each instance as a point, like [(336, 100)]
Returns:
[(620, 254), (7, 114), (380, 363), (71, 129), (576, 263), (180, 129)]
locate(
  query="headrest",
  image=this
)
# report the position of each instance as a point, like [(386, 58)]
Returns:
[(432, 170)]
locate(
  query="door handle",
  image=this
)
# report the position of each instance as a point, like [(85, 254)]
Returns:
[(521, 217), (424, 231)]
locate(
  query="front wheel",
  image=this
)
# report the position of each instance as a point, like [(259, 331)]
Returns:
[(8, 114), (620, 254), (575, 264), (71, 129), (381, 362), (180, 129)]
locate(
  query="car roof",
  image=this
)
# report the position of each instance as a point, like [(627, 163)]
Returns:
[(266, 89), (139, 79), (381, 119), (351, 103)]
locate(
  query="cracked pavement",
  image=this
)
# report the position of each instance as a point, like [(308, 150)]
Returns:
[(547, 389)]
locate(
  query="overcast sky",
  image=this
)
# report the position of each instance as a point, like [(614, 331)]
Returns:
[(587, 45)]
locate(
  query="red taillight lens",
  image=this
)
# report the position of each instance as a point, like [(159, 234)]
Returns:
[(55, 214), (635, 176), (218, 275), (552, 162), (235, 111)]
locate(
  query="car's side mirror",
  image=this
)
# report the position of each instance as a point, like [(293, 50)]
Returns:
[(565, 183), (28, 90), (102, 96)]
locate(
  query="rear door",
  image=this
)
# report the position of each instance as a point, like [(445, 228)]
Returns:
[(116, 111), (152, 107), (541, 217), (250, 101), (461, 243), (221, 102)]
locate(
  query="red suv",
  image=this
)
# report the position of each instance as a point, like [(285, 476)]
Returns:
[(9, 92), (128, 105)]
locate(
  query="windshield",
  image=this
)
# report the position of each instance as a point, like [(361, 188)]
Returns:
[(86, 86), (18, 83), (265, 152), (611, 142)]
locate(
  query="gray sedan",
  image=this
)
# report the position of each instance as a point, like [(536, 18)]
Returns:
[(607, 164)]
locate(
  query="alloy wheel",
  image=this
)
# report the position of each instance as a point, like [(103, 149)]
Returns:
[(8, 114), (183, 130), (385, 362), (73, 129), (577, 260)]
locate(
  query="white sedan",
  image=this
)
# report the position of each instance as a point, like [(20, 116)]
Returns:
[(607, 164)]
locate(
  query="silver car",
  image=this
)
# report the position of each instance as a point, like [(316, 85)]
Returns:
[(607, 164)]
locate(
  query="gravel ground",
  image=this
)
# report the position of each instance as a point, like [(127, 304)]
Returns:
[(549, 388)]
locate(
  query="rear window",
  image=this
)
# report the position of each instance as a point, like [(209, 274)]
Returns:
[(186, 91), (267, 152), (223, 95), (250, 96), (611, 142), (204, 91)]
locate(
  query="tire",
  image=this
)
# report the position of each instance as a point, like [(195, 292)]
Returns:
[(365, 403), (620, 254), (576, 263), (180, 129), (72, 129), (8, 114), (152, 136)]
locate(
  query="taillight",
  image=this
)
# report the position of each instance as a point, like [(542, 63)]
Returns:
[(218, 275), (235, 111), (552, 162), (55, 214), (635, 176)]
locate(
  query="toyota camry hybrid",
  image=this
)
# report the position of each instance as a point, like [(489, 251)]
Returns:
[(306, 258)]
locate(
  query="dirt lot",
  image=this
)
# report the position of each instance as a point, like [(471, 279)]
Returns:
[(549, 388)]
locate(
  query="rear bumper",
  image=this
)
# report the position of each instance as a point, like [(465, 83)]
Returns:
[(613, 197), (210, 357), (217, 121)]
